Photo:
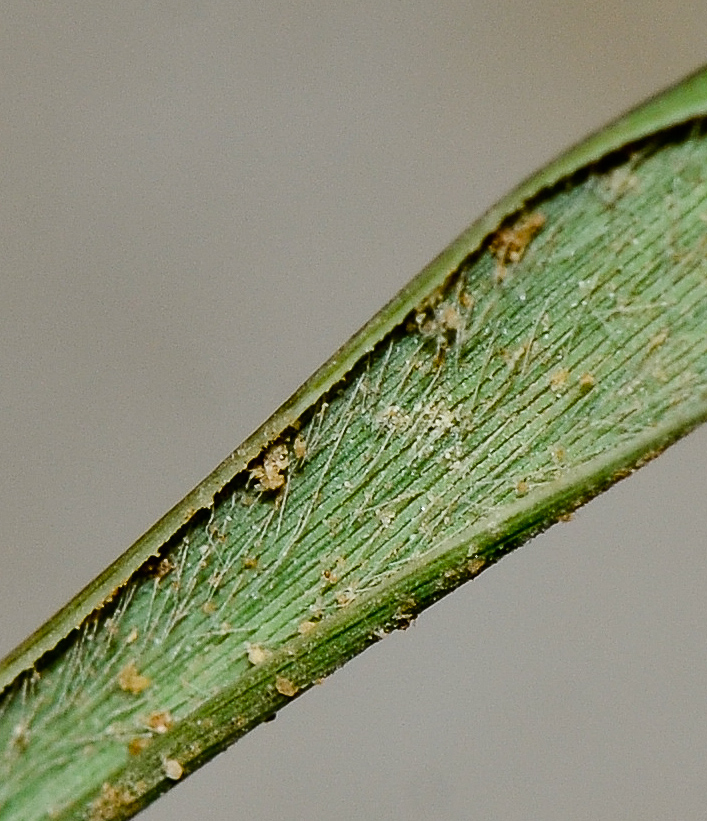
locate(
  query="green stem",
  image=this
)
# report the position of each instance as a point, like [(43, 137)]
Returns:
[(555, 346)]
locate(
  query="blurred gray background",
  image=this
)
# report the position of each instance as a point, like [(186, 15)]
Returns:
[(200, 201)]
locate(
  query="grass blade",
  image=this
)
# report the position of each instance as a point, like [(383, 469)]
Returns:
[(552, 349)]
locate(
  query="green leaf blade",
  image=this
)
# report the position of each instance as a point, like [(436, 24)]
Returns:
[(540, 369)]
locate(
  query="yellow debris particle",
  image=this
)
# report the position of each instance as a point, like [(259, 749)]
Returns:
[(394, 418), (620, 181), (385, 517), (172, 769), (586, 382), (522, 487), (512, 358), (269, 475), (138, 744), (441, 322), (403, 619), (475, 566), (306, 627), (510, 244), (164, 568), (449, 318), (330, 576), (131, 681), (109, 802), (559, 379), (299, 446), (285, 686), (19, 737), (132, 636), (209, 607), (257, 654), (160, 721), (657, 340)]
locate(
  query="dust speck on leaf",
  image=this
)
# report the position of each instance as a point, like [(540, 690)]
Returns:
[(619, 182), (109, 802), (131, 681), (270, 474), (172, 769), (332, 574), (299, 446), (285, 687), (394, 418), (158, 568), (449, 318), (385, 517), (20, 736), (160, 721), (446, 326), (657, 340), (164, 568), (257, 654), (509, 244), (514, 357), (586, 382), (138, 744), (559, 380), (404, 616)]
